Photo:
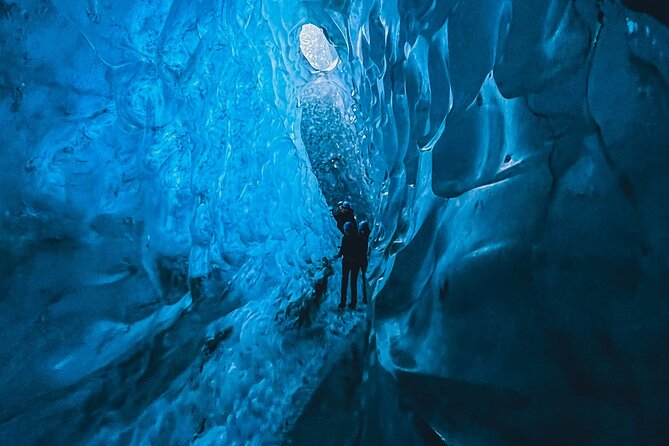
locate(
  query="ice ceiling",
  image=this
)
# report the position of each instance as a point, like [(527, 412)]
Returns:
[(167, 245)]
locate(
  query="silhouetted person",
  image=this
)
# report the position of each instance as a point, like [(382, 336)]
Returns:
[(350, 251), (343, 215), (363, 243)]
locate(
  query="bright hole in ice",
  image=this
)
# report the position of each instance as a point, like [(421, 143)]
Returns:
[(316, 48)]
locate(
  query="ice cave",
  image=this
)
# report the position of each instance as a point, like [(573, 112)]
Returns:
[(172, 173)]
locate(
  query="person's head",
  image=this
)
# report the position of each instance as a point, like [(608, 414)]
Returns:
[(349, 228), (346, 205), (340, 205), (364, 228)]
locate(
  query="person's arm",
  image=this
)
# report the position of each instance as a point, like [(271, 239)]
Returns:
[(341, 248), (362, 252)]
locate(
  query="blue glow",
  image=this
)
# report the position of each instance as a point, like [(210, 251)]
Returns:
[(169, 270)]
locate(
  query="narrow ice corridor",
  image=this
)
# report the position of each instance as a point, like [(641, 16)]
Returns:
[(171, 173)]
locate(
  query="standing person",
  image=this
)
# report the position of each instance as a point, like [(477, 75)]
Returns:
[(363, 243), (344, 214), (350, 251)]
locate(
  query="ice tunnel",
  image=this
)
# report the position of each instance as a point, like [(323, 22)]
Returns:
[(169, 257)]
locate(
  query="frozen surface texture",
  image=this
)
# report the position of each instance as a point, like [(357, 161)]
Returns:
[(166, 248), (168, 171), (528, 301), (316, 48)]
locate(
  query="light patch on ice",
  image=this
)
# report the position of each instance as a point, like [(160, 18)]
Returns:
[(316, 48)]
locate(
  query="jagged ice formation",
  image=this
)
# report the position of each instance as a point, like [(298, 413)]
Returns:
[(167, 245)]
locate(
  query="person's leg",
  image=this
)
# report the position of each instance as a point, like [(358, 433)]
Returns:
[(364, 286), (344, 283), (354, 286)]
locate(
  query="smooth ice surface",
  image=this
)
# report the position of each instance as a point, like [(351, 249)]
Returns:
[(167, 245), (527, 300)]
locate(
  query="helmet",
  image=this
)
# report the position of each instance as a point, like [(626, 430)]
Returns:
[(364, 226), (348, 227), (340, 204), (346, 205)]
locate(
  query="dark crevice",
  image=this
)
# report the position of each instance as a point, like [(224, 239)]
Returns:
[(656, 8)]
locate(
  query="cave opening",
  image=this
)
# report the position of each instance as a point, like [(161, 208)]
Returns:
[(332, 127), (317, 49)]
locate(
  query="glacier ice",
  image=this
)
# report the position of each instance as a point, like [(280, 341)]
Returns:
[(168, 173), (316, 48)]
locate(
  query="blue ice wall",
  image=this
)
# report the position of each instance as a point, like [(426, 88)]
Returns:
[(168, 168), (163, 229), (524, 223)]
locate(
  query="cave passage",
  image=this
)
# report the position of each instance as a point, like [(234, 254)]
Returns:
[(169, 270)]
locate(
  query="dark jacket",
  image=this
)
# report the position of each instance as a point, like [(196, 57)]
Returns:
[(350, 249), (342, 216)]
